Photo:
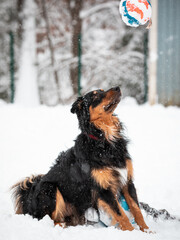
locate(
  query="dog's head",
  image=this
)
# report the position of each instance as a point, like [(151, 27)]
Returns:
[(95, 113)]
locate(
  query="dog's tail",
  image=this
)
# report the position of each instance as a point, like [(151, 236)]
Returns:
[(21, 191)]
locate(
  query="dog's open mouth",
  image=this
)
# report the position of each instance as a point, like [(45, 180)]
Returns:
[(111, 106)]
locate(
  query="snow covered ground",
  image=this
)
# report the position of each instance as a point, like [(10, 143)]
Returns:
[(31, 138)]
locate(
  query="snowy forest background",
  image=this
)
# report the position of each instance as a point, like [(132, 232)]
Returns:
[(46, 39)]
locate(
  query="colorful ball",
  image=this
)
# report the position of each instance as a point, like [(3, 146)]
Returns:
[(135, 12)]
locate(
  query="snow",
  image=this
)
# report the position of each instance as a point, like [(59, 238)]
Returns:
[(31, 138), (86, 13)]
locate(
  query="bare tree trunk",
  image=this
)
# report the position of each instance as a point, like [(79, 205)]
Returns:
[(51, 48), (75, 7), (20, 5)]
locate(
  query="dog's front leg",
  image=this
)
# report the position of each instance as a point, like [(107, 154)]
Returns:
[(111, 206), (130, 195)]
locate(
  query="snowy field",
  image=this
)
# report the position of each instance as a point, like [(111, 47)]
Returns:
[(31, 138)]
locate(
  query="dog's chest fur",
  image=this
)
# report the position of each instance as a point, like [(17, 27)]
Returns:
[(110, 178), (123, 175), (108, 162)]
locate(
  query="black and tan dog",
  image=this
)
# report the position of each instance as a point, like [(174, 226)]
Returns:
[(93, 173)]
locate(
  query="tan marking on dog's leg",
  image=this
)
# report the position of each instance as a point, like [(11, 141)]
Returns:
[(122, 219), (135, 210), (58, 213), (129, 167)]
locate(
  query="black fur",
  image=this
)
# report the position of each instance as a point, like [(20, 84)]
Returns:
[(71, 173)]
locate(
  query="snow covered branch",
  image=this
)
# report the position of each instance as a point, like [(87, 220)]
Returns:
[(97, 8)]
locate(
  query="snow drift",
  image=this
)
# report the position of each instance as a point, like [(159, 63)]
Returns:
[(31, 139)]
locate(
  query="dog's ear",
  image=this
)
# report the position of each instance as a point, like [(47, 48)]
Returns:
[(77, 105)]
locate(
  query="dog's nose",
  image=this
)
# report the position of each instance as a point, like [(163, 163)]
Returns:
[(116, 89)]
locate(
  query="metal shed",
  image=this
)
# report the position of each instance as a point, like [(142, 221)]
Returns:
[(164, 47)]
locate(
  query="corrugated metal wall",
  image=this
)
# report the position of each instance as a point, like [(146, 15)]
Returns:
[(168, 63)]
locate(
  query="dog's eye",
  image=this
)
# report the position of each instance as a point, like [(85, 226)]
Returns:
[(97, 95)]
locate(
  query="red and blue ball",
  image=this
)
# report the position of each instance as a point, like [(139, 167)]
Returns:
[(135, 12)]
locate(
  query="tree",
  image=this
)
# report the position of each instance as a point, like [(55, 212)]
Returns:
[(51, 47), (112, 53), (75, 7)]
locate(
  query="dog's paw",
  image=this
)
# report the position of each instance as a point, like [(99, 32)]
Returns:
[(63, 225), (148, 231), (128, 227)]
